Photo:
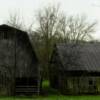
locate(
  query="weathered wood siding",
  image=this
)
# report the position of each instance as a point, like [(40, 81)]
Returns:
[(17, 60), (79, 85)]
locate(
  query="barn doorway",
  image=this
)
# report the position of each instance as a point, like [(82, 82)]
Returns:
[(26, 86)]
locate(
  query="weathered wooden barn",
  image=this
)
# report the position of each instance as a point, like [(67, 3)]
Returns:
[(75, 68), (19, 71)]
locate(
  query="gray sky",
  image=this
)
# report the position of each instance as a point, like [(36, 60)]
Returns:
[(28, 8)]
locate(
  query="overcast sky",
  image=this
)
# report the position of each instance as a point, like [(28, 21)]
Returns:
[(28, 8)]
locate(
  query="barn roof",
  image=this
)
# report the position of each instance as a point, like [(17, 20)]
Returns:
[(82, 57), (7, 28), (21, 35)]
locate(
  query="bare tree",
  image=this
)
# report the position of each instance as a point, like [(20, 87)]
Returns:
[(16, 20), (76, 28), (54, 26), (48, 21)]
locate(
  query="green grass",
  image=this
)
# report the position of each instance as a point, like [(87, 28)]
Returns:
[(55, 97), (47, 91)]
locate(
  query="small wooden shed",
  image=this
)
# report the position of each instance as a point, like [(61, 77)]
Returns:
[(75, 68), (19, 71)]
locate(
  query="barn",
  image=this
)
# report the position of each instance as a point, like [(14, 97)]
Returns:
[(19, 71), (75, 68)]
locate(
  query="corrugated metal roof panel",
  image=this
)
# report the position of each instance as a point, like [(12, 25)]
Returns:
[(80, 57)]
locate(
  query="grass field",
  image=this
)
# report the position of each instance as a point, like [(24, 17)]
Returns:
[(53, 98)]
